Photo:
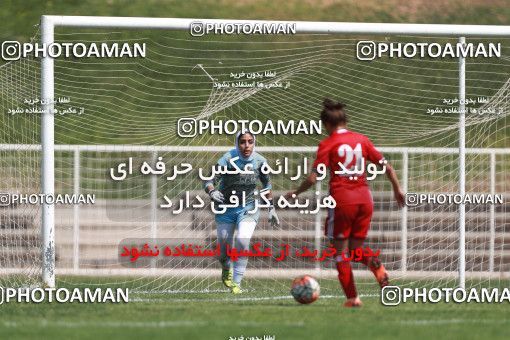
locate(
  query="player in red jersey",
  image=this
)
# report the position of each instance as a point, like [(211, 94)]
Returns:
[(347, 225)]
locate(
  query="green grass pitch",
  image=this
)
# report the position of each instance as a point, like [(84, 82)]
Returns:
[(220, 315)]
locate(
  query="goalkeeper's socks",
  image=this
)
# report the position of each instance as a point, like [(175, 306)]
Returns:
[(239, 269), (346, 278)]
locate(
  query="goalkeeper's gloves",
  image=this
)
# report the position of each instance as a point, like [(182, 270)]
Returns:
[(273, 217), (216, 196)]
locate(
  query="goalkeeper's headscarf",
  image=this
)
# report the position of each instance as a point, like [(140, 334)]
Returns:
[(238, 135)]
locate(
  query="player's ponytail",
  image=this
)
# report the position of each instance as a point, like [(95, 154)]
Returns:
[(332, 105), (333, 112)]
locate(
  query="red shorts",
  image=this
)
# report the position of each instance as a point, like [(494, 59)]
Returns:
[(347, 221)]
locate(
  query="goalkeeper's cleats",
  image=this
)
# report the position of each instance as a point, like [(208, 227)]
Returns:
[(227, 277), (353, 302), (236, 289), (380, 272)]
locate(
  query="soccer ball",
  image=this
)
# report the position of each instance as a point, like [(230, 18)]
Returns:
[(305, 289)]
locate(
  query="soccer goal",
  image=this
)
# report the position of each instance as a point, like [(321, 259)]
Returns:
[(433, 98)]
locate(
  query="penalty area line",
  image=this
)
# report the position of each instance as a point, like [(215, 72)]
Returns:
[(449, 322), (242, 299), (143, 324)]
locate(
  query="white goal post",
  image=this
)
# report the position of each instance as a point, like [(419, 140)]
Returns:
[(49, 23)]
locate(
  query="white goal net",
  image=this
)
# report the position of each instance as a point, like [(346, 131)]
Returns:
[(114, 109)]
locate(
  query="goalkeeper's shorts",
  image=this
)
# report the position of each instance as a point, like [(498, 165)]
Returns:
[(346, 221), (238, 214)]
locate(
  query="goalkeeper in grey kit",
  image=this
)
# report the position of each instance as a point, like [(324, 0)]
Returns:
[(238, 220)]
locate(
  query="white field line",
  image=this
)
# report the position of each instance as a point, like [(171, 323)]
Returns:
[(243, 299), (449, 321), (200, 323), (203, 291), (143, 324)]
